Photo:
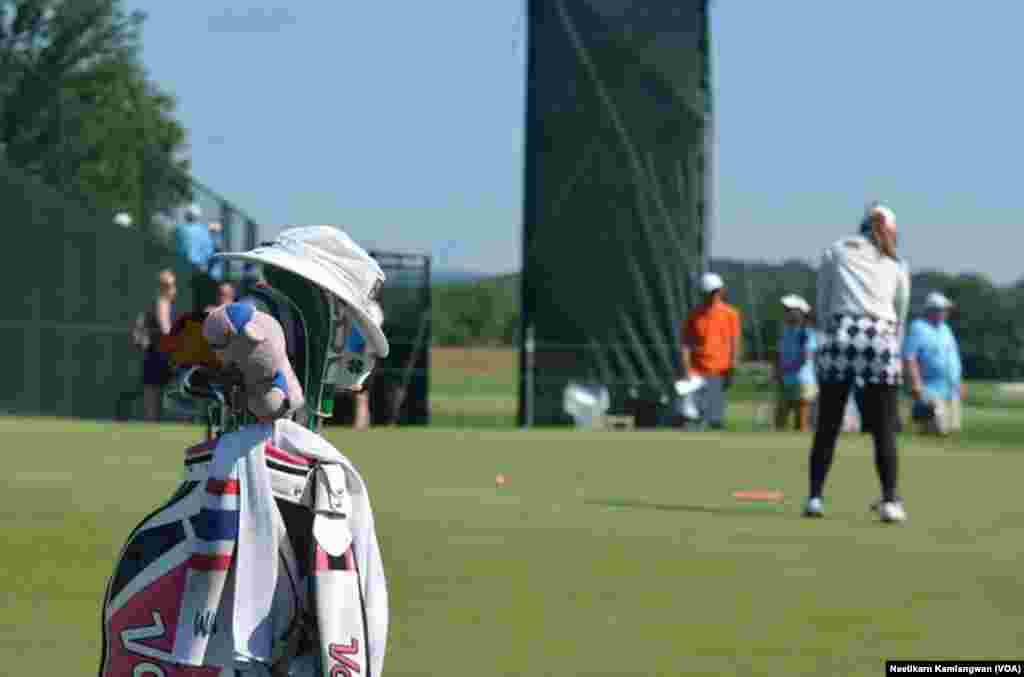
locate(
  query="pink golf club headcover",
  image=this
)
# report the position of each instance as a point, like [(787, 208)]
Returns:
[(254, 342)]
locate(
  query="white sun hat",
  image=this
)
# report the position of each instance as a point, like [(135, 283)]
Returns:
[(330, 259), (711, 282), (794, 302), (936, 301)]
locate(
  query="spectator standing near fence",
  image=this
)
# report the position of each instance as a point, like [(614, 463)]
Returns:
[(362, 419), (156, 366), (932, 360), (193, 239), (225, 295), (197, 242), (794, 368), (863, 298), (710, 349)]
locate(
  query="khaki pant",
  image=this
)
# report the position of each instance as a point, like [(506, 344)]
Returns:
[(795, 399), (948, 418)]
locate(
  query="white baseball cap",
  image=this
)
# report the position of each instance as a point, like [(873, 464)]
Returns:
[(936, 301), (710, 282), (794, 302)]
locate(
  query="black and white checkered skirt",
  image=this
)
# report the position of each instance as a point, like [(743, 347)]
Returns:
[(860, 350)]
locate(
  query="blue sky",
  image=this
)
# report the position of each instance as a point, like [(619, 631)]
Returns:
[(403, 122)]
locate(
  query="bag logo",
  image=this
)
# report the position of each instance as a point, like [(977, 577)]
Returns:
[(204, 624), (346, 667)]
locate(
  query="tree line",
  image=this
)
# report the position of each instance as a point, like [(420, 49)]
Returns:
[(988, 320), (78, 111)]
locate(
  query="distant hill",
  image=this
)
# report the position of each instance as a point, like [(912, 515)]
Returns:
[(451, 276), (734, 272)]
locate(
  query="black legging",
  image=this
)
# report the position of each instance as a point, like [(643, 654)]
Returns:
[(858, 397), (879, 415)]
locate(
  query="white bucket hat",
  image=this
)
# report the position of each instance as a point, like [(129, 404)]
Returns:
[(936, 301), (794, 302), (330, 259), (711, 282)]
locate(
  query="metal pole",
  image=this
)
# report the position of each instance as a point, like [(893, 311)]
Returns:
[(708, 213), (428, 302), (752, 303), (530, 213), (528, 379), (227, 235)]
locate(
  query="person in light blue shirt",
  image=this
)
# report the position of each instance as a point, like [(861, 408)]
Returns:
[(932, 360), (198, 242), (193, 239), (794, 369)]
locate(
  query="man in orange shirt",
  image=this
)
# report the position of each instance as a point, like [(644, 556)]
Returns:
[(710, 348)]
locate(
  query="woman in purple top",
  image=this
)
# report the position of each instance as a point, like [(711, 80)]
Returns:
[(156, 366)]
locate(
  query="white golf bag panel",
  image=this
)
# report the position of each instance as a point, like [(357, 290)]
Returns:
[(171, 605)]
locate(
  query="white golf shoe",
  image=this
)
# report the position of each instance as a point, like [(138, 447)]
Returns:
[(891, 512), (814, 507)]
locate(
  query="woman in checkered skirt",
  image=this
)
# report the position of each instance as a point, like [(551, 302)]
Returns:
[(863, 298)]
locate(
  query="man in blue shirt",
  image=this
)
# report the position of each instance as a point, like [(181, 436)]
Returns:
[(193, 239), (932, 360), (198, 242), (794, 369)]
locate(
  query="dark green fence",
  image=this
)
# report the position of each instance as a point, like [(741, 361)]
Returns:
[(73, 283)]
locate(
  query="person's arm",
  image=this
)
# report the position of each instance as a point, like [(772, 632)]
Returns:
[(826, 273), (809, 349), (163, 316), (736, 330), (737, 338), (912, 368), (910, 363), (685, 349), (902, 301)]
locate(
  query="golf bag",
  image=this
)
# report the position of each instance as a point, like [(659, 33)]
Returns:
[(263, 562)]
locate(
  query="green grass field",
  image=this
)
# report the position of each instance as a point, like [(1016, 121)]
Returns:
[(604, 554), (474, 387)]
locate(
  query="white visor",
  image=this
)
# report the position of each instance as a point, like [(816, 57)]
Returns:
[(794, 302)]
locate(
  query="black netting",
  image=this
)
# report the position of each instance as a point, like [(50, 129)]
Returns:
[(615, 208)]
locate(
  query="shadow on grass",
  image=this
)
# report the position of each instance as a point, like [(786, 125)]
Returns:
[(752, 508)]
